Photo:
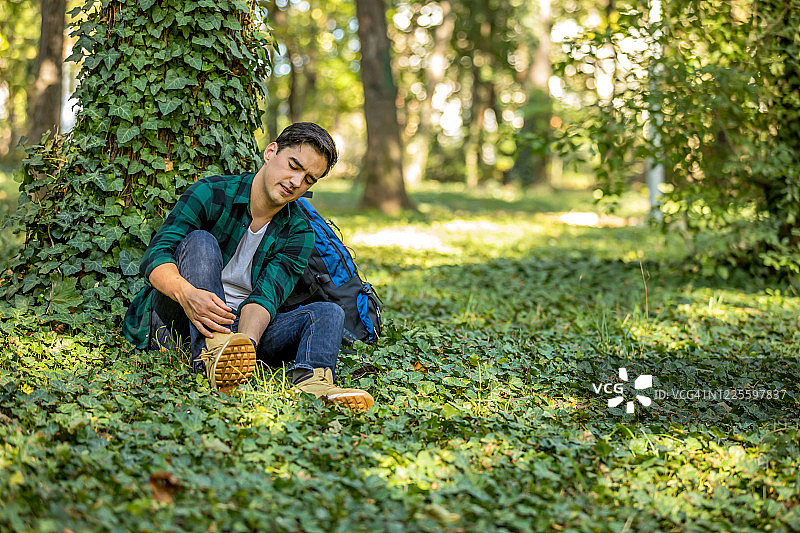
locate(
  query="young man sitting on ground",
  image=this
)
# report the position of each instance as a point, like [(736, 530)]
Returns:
[(226, 258)]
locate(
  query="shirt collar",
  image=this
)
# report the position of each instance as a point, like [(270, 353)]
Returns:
[(242, 195)]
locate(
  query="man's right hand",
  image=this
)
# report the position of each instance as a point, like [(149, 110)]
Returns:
[(206, 311)]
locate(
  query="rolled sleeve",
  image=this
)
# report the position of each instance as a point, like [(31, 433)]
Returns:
[(187, 215), (280, 274)]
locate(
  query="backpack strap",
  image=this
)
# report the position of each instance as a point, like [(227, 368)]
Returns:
[(307, 286)]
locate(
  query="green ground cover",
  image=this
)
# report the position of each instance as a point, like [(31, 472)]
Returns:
[(502, 323)]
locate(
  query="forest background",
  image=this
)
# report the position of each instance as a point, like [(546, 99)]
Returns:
[(516, 307), (699, 96)]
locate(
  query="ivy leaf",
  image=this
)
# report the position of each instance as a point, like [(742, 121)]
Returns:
[(143, 231), (174, 81), (139, 60), (90, 265), (204, 42), (116, 184), (135, 167), (158, 14), (111, 58), (122, 111), (231, 23), (108, 237), (450, 411), (112, 209), (214, 87), (210, 23), (195, 61), (132, 219), (146, 4), (30, 281), (125, 135), (63, 293), (234, 50), (129, 261), (182, 19), (150, 124), (71, 267), (168, 106)]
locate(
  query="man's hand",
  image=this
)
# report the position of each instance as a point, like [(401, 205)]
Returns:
[(206, 311)]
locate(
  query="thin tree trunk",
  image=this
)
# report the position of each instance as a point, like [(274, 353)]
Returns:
[(474, 145), (46, 94), (531, 165), (12, 120), (478, 105), (278, 17), (437, 66), (382, 170), (295, 107)]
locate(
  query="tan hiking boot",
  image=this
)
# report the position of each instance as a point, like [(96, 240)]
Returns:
[(229, 359), (320, 384)]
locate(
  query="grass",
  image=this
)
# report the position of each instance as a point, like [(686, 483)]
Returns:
[(501, 324)]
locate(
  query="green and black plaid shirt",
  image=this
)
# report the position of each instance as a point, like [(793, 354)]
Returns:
[(221, 206)]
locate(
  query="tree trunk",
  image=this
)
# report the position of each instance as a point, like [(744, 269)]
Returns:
[(278, 17), (295, 110), (382, 170), (531, 164), (437, 66), (46, 94), (473, 147), (9, 140)]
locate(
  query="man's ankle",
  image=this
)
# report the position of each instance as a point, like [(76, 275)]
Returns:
[(298, 375)]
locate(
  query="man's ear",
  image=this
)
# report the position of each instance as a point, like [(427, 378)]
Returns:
[(270, 150)]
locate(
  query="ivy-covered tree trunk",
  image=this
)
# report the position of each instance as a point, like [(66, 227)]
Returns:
[(168, 94), (382, 172)]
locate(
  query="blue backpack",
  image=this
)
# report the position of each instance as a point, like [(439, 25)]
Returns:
[(332, 276)]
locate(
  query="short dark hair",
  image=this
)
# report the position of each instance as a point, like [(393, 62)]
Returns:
[(309, 133)]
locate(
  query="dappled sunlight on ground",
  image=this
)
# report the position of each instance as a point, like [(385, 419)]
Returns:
[(408, 238), (595, 220)]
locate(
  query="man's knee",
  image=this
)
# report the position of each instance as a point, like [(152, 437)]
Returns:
[(328, 311), (199, 242), (201, 238)]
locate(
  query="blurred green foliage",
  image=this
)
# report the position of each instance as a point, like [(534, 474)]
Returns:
[(711, 90), (20, 21), (314, 73)]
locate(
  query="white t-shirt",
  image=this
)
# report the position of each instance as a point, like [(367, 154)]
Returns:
[(237, 277)]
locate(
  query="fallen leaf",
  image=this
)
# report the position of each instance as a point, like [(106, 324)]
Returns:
[(335, 428), (440, 514), (164, 486), (216, 445)]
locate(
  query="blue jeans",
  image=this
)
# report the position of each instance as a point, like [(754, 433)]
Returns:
[(309, 335)]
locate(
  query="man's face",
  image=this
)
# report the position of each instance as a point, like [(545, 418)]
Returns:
[(291, 172)]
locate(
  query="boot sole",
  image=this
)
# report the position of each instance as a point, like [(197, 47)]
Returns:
[(235, 365), (357, 401)]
